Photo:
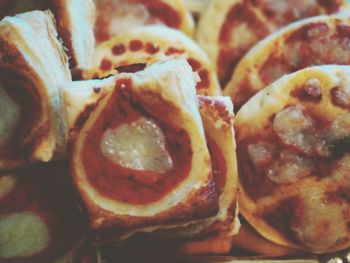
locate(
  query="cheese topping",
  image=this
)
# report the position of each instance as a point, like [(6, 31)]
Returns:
[(9, 115), (291, 125), (22, 235), (139, 145)]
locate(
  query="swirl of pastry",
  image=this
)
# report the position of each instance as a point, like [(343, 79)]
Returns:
[(131, 51), (40, 220), (294, 160), (32, 66), (217, 116), (75, 21), (116, 16), (314, 41), (139, 157), (240, 24)]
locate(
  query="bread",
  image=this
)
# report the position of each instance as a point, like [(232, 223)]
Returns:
[(292, 139)]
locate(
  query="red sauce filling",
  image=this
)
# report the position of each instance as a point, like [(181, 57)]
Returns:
[(25, 96), (195, 64), (106, 65), (52, 198), (173, 50), (124, 184), (118, 49), (151, 48), (135, 45), (218, 163), (205, 82)]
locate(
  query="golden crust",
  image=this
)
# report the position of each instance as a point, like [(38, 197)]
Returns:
[(252, 120), (276, 55), (31, 55), (170, 84), (147, 45)]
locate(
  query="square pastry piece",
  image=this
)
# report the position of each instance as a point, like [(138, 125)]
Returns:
[(139, 155)]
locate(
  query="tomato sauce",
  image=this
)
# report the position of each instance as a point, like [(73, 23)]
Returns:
[(129, 185)]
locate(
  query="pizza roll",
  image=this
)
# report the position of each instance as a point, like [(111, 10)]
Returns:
[(32, 65), (240, 24), (314, 41), (133, 50), (116, 16), (217, 116), (75, 21), (139, 157), (39, 217), (293, 140)]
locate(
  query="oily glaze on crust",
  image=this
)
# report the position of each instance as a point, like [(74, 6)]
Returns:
[(314, 41), (311, 212), (193, 198), (240, 24), (113, 17), (148, 44), (28, 38), (48, 222)]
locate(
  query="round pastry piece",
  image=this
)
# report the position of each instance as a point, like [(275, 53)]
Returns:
[(75, 25), (133, 50), (116, 16), (314, 41), (39, 218), (139, 156), (240, 24), (294, 160), (32, 65), (217, 116)]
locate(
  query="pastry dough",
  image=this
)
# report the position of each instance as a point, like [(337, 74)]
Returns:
[(116, 16), (133, 50), (36, 207), (217, 116), (139, 156), (75, 25), (228, 29), (293, 144), (314, 41), (32, 65)]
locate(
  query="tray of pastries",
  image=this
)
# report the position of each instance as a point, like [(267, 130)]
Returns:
[(174, 131)]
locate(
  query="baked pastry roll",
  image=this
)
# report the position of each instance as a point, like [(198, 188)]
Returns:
[(133, 50), (75, 25), (32, 65), (139, 157), (116, 16), (240, 24), (314, 41), (217, 116), (294, 156), (39, 217)]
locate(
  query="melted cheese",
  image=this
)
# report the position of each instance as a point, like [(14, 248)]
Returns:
[(289, 168), (22, 235), (261, 153), (291, 124), (139, 145), (9, 115)]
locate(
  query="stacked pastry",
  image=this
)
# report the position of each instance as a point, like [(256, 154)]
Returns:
[(148, 138)]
